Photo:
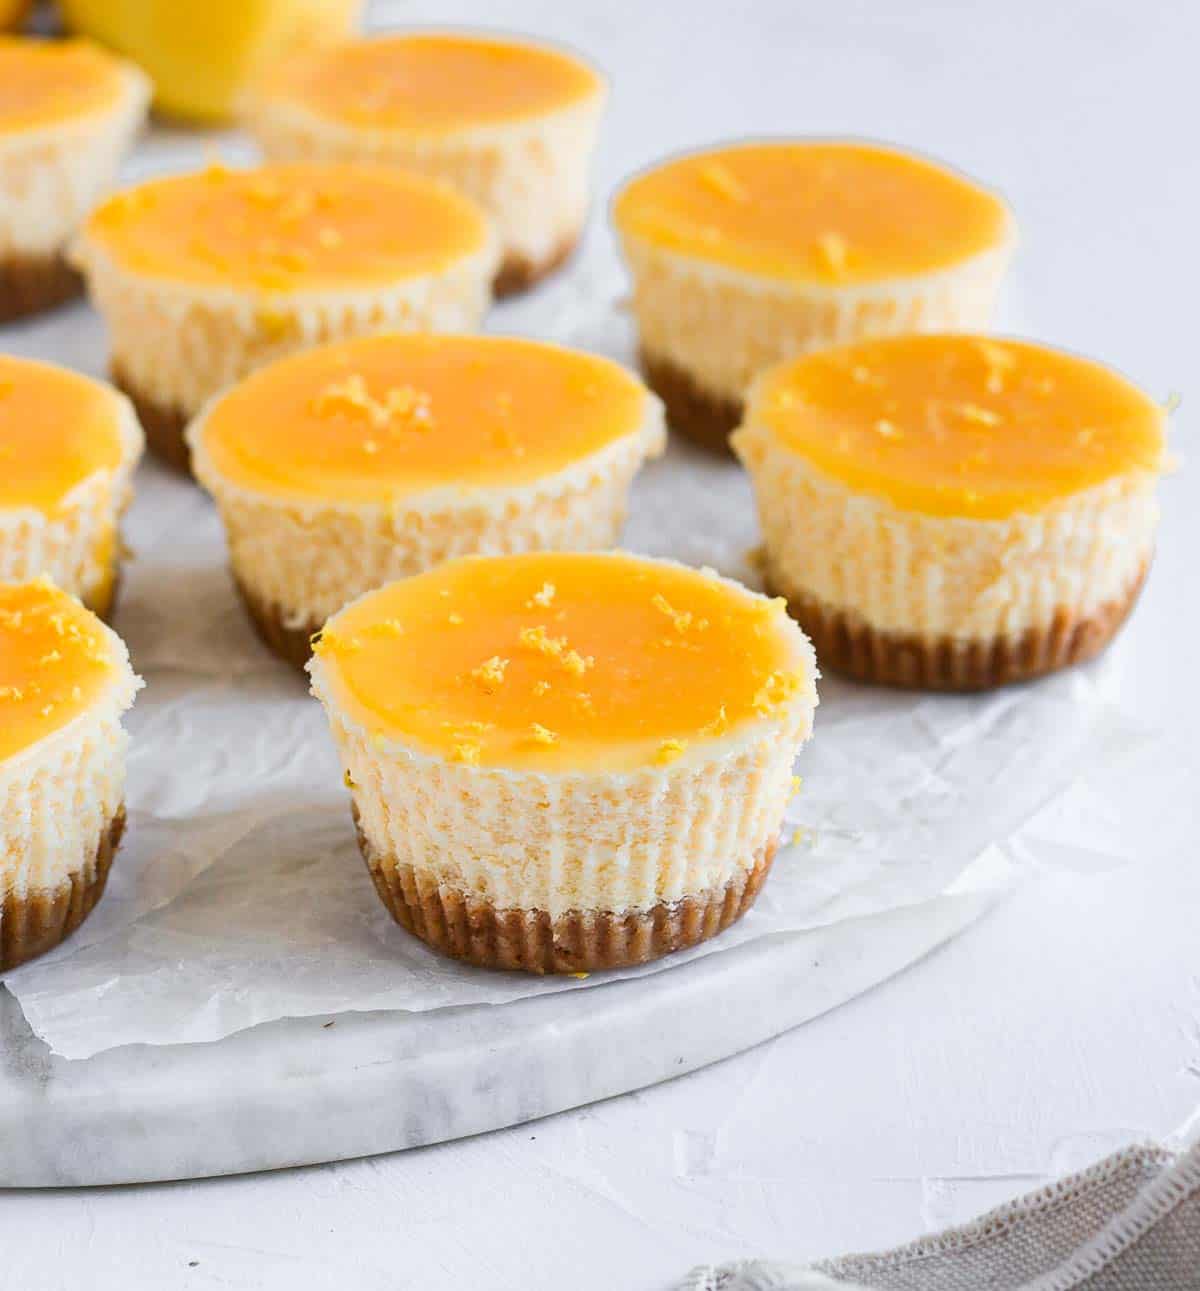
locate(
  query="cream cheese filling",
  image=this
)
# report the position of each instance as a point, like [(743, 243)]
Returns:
[(530, 175), (59, 795), (574, 840), (52, 175), (77, 543), (177, 343), (905, 572), (308, 558), (722, 326)]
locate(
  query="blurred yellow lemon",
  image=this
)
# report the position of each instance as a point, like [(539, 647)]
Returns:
[(202, 54)]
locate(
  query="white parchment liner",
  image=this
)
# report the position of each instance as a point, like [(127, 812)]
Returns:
[(239, 896)]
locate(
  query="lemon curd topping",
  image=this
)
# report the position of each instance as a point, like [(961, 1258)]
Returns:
[(57, 429), (433, 83), (43, 82), (289, 226), (960, 425), (561, 661), (825, 213), (379, 417), (54, 662)]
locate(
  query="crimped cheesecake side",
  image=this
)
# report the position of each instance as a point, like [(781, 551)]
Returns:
[(349, 466), (74, 537), (51, 173), (562, 866), (190, 310), (705, 331), (297, 563), (906, 572), (744, 255), (954, 511), (510, 123), (61, 798), (172, 348), (567, 843), (532, 177)]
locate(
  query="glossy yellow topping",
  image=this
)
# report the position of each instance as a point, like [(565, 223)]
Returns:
[(372, 419), (560, 661), (45, 82), (55, 661), (433, 83), (961, 425), (289, 226), (834, 214), (57, 429)]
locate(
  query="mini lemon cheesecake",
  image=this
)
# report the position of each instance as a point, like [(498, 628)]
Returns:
[(749, 254), (562, 762), (68, 114), (345, 467), (509, 122), (65, 682), (203, 277), (954, 512), (68, 448)]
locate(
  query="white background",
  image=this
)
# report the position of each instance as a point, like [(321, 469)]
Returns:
[(1069, 1021)]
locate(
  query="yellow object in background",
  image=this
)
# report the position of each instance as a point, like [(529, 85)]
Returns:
[(13, 14), (202, 54)]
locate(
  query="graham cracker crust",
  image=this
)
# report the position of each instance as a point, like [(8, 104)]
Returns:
[(32, 924), (163, 425), (293, 645), (846, 645), (517, 273), (31, 284), (694, 412), (467, 927)]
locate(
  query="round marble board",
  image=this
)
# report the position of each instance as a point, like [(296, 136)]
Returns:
[(300, 1091)]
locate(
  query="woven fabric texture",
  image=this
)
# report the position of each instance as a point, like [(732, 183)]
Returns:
[(1128, 1223)]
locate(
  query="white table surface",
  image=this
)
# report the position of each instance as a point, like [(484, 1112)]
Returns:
[(1068, 1022)]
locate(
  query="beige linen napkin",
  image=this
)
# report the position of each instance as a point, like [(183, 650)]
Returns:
[(1128, 1223)]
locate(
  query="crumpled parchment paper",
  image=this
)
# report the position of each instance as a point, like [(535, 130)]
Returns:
[(239, 896)]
